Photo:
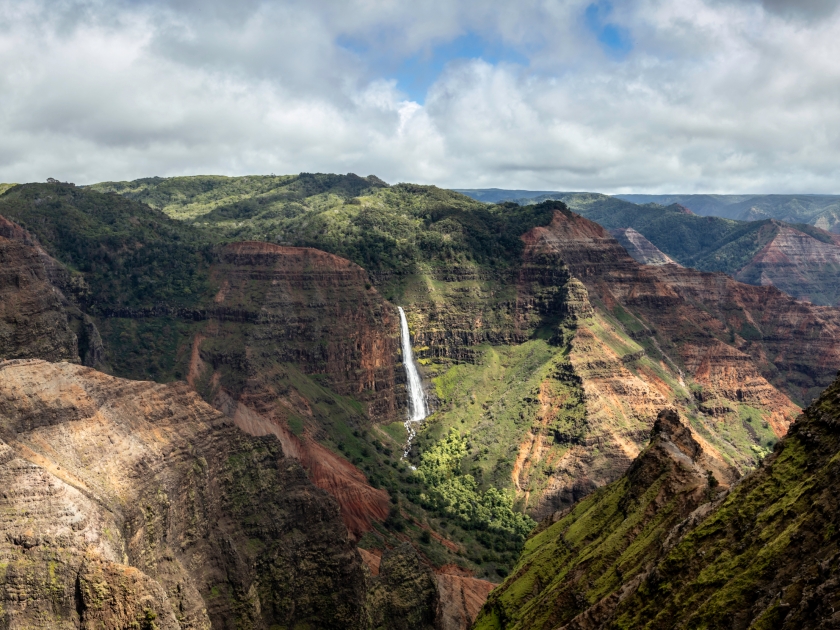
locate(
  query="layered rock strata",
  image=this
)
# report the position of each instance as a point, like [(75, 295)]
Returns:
[(776, 339), (641, 337), (734, 359), (318, 318), (796, 263), (315, 310), (132, 503)]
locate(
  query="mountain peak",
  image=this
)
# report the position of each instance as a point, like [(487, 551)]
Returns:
[(668, 426)]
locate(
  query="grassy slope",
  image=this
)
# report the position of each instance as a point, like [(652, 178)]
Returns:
[(399, 231), (131, 256), (605, 540), (766, 557), (758, 558)]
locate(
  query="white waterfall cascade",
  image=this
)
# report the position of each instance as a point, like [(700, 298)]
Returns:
[(418, 408)]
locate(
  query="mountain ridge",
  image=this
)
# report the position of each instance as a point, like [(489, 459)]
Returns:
[(762, 555)]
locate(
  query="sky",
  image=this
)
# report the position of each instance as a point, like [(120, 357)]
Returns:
[(644, 96)]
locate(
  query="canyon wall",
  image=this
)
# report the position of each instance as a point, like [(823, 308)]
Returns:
[(34, 320), (132, 503)]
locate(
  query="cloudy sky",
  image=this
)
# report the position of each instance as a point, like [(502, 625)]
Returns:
[(637, 96)]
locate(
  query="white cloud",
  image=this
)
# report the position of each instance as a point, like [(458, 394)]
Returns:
[(714, 96)]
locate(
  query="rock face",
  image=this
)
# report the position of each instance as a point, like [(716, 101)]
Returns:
[(131, 503), (577, 562), (797, 263), (642, 337), (692, 313), (283, 316), (33, 314), (461, 598), (317, 311), (404, 595), (765, 555), (641, 249)]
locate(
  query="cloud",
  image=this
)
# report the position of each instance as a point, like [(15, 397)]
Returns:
[(812, 9), (700, 95)]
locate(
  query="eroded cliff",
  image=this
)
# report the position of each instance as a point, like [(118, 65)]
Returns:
[(136, 503), (33, 312)]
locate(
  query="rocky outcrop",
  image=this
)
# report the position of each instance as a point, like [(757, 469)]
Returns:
[(641, 249), (577, 563), (461, 598), (133, 504)]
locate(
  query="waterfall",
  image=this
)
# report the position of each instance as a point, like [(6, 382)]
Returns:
[(418, 409)]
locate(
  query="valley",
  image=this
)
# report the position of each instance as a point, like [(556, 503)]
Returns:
[(262, 315)]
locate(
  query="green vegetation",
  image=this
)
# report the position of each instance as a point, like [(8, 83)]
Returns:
[(710, 243), (707, 243), (822, 211), (495, 401), (127, 255), (149, 279), (399, 230), (607, 538), (456, 495), (757, 558), (146, 280)]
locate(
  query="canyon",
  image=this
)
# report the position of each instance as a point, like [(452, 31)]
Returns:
[(546, 351)]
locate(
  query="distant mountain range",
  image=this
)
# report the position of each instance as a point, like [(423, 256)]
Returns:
[(496, 195), (822, 211), (802, 258)]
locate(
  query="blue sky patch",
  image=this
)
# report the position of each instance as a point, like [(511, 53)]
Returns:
[(614, 39), (416, 74)]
